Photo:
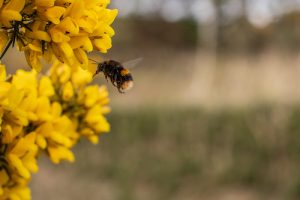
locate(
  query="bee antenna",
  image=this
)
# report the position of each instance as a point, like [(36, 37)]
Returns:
[(93, 61)]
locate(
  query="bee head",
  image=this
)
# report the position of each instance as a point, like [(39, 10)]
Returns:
[(100, 68)]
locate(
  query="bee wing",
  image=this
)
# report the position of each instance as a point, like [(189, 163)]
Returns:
[(132, 63)]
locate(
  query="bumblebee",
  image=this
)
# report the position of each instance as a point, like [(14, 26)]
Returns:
[(119, 76)]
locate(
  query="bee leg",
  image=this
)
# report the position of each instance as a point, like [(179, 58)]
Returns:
[(114, 83), (120, 91), (111, 80), (115, 80), (95, 74)]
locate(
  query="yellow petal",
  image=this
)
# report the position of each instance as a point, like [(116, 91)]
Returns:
[(64, 73), (41, 141), (5, 87), (110, 16), (8, 135), (60, 153), (81, 57), (58, 36), (56, 109), (68, 91), (16, 5), (76, 9), (33, 59), (92, 95), (28, 77), (69, 26), (103, 44), (39, 35), (9, 15), (45, 129), (54, 14), (46, 87), (30, 162), (81, 77), (43, 109), (56, 52), (93, 139), (67, 53), (102, 125), (64, 53), (81, 42), (24, 145), (29, 102), (87, 132), (44, 3), (61, 139), (20, 192), (17, 163), (3, 40), (2, 73), (35, 46), (89, 22), (66, 49)]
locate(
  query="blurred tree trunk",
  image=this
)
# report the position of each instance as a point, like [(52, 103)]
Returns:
[(203, 76), (244, 8), (219, 17)]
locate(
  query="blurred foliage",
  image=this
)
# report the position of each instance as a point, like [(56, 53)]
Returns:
[(236, 36), (140, 32), (170, 154), (283, 34)]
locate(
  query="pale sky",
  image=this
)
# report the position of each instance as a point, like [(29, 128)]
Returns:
[(259, 12)]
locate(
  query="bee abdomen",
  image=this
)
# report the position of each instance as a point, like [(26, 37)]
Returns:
[(124, 72), (125, 86), (127, 77)]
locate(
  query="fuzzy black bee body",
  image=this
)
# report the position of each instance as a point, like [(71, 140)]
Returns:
[(119, 76)]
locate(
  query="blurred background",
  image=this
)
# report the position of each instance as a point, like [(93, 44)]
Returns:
[(214, 113)]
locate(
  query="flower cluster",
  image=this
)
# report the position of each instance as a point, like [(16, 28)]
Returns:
[(47, 114), (65, 29)]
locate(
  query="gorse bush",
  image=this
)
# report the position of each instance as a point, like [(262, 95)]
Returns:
[(60, 29), (49, 113)]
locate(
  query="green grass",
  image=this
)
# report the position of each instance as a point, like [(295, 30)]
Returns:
[(191, 153)]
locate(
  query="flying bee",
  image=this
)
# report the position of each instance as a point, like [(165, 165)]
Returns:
[(118, 73)]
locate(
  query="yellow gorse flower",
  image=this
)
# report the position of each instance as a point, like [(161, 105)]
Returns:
[(65, 29), (50, 114)]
